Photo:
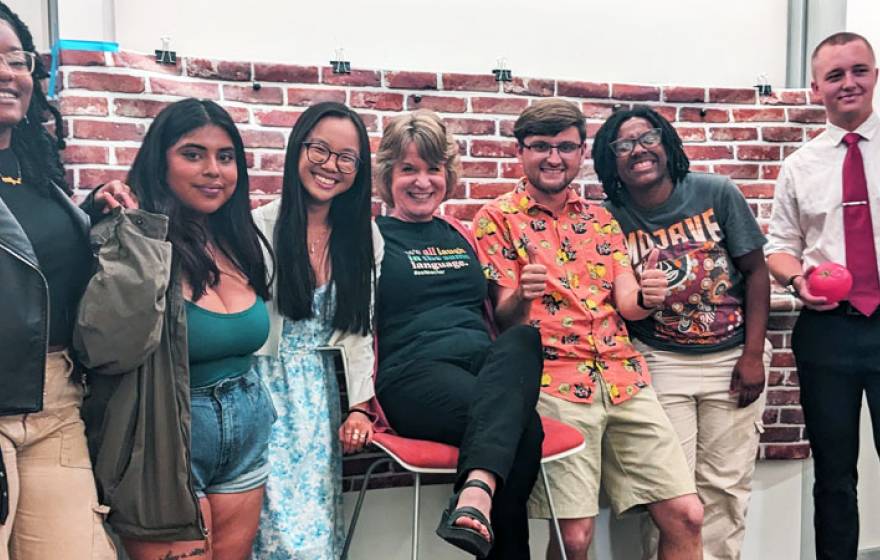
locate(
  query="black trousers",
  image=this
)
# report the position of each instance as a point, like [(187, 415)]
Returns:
[(488, 411), (837, 358)]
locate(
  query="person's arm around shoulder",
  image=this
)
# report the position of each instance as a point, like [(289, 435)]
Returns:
[(120, 317)]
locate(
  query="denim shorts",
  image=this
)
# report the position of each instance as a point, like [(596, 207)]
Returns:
[(231, 422)]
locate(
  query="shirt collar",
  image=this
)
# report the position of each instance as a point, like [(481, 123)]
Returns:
[(869, 130), (526, 202)]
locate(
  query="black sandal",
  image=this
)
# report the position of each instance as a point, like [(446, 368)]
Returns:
[(465, 538)]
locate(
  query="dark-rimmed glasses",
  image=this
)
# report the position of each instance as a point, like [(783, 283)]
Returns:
[(625, 146), (544, 148), (19, 62), (319, 154)]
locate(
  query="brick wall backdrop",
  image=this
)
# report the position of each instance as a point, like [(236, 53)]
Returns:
[(108, 100)]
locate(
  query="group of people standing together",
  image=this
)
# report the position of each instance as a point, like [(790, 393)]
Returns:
[(171, 371)]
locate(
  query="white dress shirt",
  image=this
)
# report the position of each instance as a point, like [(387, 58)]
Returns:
[(807, 219)]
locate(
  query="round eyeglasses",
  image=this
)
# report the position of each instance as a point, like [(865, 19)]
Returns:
[(319, 154)]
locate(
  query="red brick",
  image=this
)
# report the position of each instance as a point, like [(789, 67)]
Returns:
[(635, 93), (411, 80), (597, 110), (791, 416), (139, 108), (666, 111), (815, 116), (701, 167), (91, 177), (788, 150), (218, 69), (101, 81), (493, 148), (249, 159), (238, 114), (785, 97), (201, 90), (71, 105), (594, 191), (792, 380), (265, 184), (380, 101), (773, 434), (470, 126), (276, 117), (698, 114), (764, 114), (287, 73), (266, 95), (708, 152), (511, 170), (769, 171), (262, 139), (490, 190), (461, 211), (684, 94), (691, 134), (108, 130), (757, 190), (81, 58), (779, 322), (272, 161), (813, 132), (787, 452), (374, 143), (505, 128), (732, 95), (79, 153), (503, 105), (305, 97), (738, 171), (783, 396), (782, 359), (125, 156), (778, 340), (145, 62), (782, 134), (357, 78), (370, 121), (770, 416), (479, 169), (566, 88), (731, 134), (758, 153), (469, 82), (775, 378), (530, 86), (592, 129), (438, 103)]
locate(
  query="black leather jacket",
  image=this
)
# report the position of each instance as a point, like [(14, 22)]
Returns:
[(24, 313)]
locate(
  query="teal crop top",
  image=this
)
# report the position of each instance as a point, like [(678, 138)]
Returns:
[(221, 345)]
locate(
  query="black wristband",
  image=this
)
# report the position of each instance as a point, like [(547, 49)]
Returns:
[(789, 284), (365, 412), (640, 301)]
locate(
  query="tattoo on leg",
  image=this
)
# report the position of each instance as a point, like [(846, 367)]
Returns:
[(196, 552)]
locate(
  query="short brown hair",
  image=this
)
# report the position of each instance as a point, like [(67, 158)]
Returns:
[(434, 144), (840, 38), (549, 117)]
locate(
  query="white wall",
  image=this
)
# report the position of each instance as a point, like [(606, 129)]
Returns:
[(711, 42), (33, 13), (863, 17)]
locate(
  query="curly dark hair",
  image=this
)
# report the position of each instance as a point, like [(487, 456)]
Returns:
[(35, 148), (605, 162)]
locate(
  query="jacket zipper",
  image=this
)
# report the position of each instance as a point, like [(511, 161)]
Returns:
[(45, 315)]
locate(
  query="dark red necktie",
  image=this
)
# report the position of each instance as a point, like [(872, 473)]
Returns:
[(858, 231)]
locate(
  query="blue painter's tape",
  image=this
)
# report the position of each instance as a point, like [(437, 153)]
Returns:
[(75, 45)]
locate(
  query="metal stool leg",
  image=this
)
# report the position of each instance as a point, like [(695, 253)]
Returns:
[(415, 537), (360, 501), (555, 520)]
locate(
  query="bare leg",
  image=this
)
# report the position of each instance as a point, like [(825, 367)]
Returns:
[(577, 535), (476, 498), (680, 521), (236, 517)]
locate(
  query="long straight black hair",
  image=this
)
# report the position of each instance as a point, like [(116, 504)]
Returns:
[(35, 148), (353, 268), (231, 228)]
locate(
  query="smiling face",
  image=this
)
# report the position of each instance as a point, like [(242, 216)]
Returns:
[(15, 87), (323, 181), (202, 171), (643, 168), (417, 187), (551, 173), (844, 77)]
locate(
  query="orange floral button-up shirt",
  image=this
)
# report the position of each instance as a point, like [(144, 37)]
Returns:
[(584, 251)]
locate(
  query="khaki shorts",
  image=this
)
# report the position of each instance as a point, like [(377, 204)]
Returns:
[(631, 448)]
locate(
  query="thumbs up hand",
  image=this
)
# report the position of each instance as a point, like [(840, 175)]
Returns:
[(532, 277), (652, 282)]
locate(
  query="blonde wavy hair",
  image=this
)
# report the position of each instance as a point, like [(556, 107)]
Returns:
[(434, 144)]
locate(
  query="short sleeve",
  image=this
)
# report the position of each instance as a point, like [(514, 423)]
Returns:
[(785, 232), (741, 230)]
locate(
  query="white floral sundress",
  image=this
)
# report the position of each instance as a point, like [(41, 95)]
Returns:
[(302, 508)]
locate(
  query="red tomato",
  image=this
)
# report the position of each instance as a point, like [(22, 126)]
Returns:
[(831, 280)]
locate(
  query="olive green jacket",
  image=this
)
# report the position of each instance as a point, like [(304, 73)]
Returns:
[(131, 336)]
